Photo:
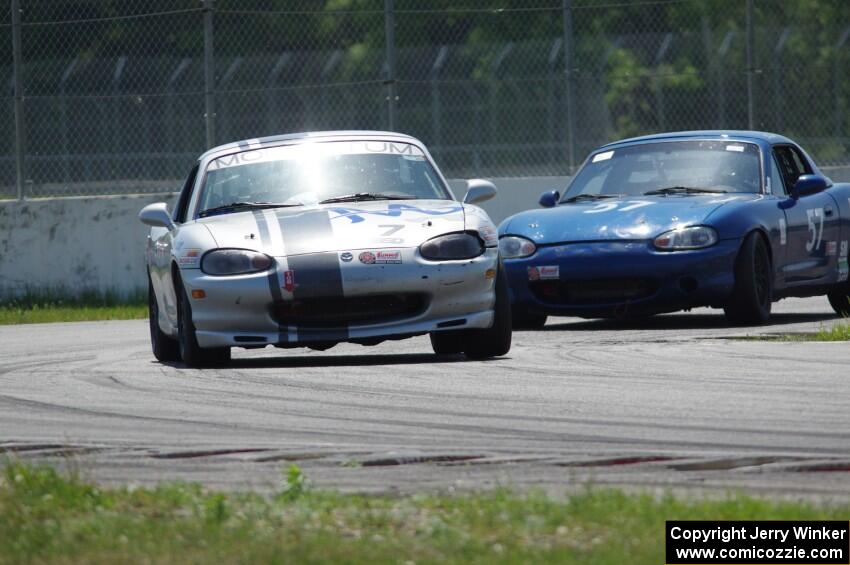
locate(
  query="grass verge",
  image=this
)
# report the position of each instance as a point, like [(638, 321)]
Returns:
[(47, 516), (838, 332), (44, 307)]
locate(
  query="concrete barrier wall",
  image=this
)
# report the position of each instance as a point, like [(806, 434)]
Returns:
[(70, 245)]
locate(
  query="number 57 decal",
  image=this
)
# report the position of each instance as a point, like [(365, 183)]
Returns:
[(815, 216), (608, 206)]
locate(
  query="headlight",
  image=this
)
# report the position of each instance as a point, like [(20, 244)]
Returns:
[(235, 262), (452, 246), (513, 247), (695, 237)]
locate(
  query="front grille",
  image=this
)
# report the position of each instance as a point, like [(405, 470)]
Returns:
[(343, 311), (594, 291)]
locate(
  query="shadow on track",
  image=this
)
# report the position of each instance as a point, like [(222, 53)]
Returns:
[(283, 361), (683, 322)]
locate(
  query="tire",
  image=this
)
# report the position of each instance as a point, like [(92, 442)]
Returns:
[(526, 321), (496, 340), (752, 295), (164, 347), (840, 300), (448, 343), (192, 354)]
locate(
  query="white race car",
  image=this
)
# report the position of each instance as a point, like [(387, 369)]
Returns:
[(320, 238)]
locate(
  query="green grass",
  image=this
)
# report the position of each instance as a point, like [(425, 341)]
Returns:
[(838, 332), (47, 516), (44, 307)]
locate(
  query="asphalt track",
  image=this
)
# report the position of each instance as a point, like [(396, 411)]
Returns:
[(666, 403)]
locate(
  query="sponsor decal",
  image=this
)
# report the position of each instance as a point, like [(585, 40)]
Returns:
[(381, 257), (346, 257), (544, 273), (550, 272), (388, 257), (843, 269), (735, 148), (783, 232), (831, 248), (254, 152), (844, 248), (190, 257), (289, 280)]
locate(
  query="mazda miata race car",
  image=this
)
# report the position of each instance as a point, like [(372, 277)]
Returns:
[(321, 238), (727, 219)]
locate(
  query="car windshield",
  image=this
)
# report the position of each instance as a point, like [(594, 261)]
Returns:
[(669, 167), (310, 173)]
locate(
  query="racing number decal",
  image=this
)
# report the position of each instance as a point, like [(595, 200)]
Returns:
[(386, 236), (815, 216), (608, 206)]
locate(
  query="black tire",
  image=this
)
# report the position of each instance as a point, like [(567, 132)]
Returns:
[(164, 347), (495, 341), (840, 300), (526, 321), (752, 295), (448, 343), (192, 354)]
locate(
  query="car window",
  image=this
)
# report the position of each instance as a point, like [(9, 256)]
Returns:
[(637, 169), (791, 163), (777, 184), (308, 173), (182, 203)]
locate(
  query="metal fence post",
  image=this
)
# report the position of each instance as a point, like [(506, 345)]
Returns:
[(209, 73), (569, 54), (751, 43), (389, 24), (17, 70)]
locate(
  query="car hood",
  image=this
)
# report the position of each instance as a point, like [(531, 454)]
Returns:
[(336, 227), (624, 218)]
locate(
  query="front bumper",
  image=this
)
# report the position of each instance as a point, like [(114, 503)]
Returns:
[(616, 279), (243, 310)]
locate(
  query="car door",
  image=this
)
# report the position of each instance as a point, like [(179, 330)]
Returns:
[(161, 241), (813, 226)]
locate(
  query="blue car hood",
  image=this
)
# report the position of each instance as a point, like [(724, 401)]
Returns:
[(630, 218)]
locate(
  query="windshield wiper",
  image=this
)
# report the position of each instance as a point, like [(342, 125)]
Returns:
[(581, 197), (241, 205), (684, 190), (367, 196)]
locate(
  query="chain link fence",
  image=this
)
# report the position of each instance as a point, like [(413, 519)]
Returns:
[(119, 96)]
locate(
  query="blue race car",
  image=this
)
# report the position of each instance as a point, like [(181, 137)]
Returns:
[(726, 219)]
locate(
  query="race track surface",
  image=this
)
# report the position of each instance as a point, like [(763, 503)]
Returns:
[(668, 403)]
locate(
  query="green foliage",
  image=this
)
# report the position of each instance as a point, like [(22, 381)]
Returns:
[(35, 307), (46, 516)]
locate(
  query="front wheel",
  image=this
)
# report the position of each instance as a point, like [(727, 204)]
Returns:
[(752, 295), (840, 300), (164, 347), (495, 341), (194, 355)]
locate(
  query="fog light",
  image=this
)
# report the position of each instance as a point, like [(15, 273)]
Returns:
[(198, 294)]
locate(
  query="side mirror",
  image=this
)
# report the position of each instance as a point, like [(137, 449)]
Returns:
[(550, 199), (809, 184), (156, 215), (479, 190)]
